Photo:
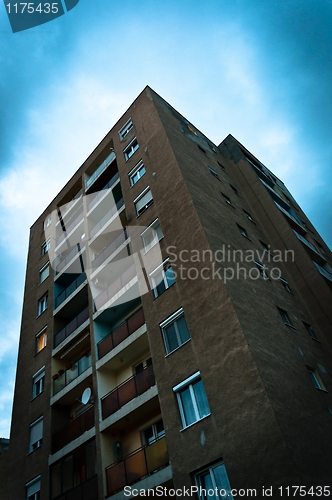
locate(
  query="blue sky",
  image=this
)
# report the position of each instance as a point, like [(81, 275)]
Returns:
[(259, 70)]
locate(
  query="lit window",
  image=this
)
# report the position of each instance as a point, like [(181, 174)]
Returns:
[(315, 379), (285, 285), (162, 278), (226, 199), (124, 131), (175, 331), (36, 434), (248, 216), (44, 272), (192, 401), (47, 222), (143, 201), (32, 489), (285, 317), (136, 173), (130, 149), (38, 380), (261, 269), (310, 331), (242, 231), (202, 150), (41, 340), (151, 235), (234, 189), (213, 478), (42, 304), (214, 173), (45, 246), (152, 433)]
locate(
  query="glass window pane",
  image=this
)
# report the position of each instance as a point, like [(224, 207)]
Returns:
[(221, 480), (171, 338), (188, 408), (67, 473), (170, 276), (207, 484), (183, 329), (202, 403)]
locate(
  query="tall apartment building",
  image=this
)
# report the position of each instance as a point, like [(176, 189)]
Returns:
[(176, 328)]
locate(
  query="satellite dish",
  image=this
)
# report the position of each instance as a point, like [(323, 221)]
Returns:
[(86, 396)]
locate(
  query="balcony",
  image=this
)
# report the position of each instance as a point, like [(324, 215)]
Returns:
[(72, 373), (102, 193), (69, 290), (65, 209), (139, 464), (62, 263), (323, 271), (128, 390), (84, 422), (99, 170), (68, 229), (86, 490), (119, 204), (115, 287), (120, 333), (71, 327), (292, 217), (109, 250)]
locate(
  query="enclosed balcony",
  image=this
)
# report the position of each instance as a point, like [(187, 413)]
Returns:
[(127, 391), (141, 463), (73, 430)]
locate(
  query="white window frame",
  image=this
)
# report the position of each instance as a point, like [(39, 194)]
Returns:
[(152, 426), (139, 197), (44, 333), (169, 321), (130, 150), (38, 382), (215, 486), (32, 489), (34, 445), (127, 127), (45, 246), (136, 170), (154, 283), (41, 271), (188, 384), (47, 222), (42, 304), (151, 228)]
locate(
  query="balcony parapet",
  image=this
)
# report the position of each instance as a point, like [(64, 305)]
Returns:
[(102, 193), (104, 254), (79, 367), (107, 217), (323, 271), (69, 229), (69, 290), (99, 170), (71, 327), (127, 391), (61, 264), (115, 287), (62, 437)]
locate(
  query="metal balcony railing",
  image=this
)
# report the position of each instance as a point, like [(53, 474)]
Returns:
[(120, 333), (106, 217), (306, 242), (127, 391), (104, 254), (79, 367), (139, 464), (69, 290), (63, 262), (99, 170), (101, 193), (323, 271), (293, 217), (115, 287), (84, 422), (68, 229), (71, 327)]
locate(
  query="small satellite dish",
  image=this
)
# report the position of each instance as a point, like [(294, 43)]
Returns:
[(86, 396)]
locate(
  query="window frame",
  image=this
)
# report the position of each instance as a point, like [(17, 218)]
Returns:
[(189, 383), (170, 321), (233, 188), (310, 331), (285, 284), (47, 265), (33, 446), (284, 316), (261, 269), (42, 304), (47, 222), (45, 246), (156, 435), (125, 129), (216, 487), (243, 231), (249, 216), (140, 165), (139, 197), (38, 382), (31, 483), (147, 230), (214, 173), (44, 333), (130, 150), (315, 378), (163, 267)]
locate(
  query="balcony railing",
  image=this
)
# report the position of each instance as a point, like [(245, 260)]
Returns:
[(109, 250), (121, 333), (99, 170), (293, 217), (115, 287), (106, 217), (65, 209), (71, 327), (306, 242), (69, 290), (128, 390), (323, 271), (86, 490), (139, 464), (68, 229), (62, 263), (72, 373), (84, 422), (101, 193)]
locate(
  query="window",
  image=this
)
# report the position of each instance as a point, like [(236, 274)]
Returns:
[(234, 189), (152, 433), (143, 201), (41, 340), (310, 331), (38, 380), (249, 216), (202, 150), (226, 199), (242, 231), (265, 246), (285, 317), (33, 489), (47, 222), (124, 131), (46, 246), (285, 285), (141, 366), (192, 130), (36, 434), (42, 304), (213, 478), (175, 331), (321, 248), (162, 278), (151, 235), (214, 173), (221, 166), (136, 173), (44, 272), (130, 149), (261, 269), (315, 379), (192, 401)]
